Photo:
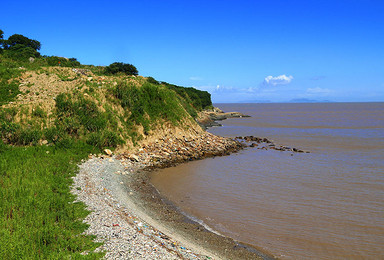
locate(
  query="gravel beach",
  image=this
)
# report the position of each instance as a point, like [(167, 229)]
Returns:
[(134, 221)]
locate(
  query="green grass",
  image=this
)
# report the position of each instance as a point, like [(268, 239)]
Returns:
[(149, 104), (8, 88), (38, 216)]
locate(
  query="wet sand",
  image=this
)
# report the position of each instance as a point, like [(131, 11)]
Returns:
[(166, 214)]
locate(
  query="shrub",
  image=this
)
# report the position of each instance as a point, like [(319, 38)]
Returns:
[(104, 139), (152, 81), (25, 136), (21, 52), (65, 142), (149, 103), (8, 88), (53, 134), (120, 67), (94, 139), (198, 98), (61, 61), (39, 112), (3, 146), (112, 139)]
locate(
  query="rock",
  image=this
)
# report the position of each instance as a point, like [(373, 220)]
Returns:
[(217, 110), (108, 152), (134, 158), (44, 142)]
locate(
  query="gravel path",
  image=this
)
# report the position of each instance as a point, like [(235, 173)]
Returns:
[(99, 184)]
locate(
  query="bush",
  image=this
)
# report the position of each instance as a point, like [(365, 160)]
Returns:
[(21, 52), (148, 103), (61, 61), (152, 81), (120, 67), (198, 98), (53, 134), (8, 88), (104, 139), (25, 136), (39, 112), (3, 146)]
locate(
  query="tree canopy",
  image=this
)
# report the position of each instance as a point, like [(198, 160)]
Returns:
[(22, 40), (125, 68)]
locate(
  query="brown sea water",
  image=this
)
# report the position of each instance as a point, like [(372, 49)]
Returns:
[(327, 204)]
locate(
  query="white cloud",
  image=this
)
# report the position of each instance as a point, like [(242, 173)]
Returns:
[(319, 91), (224, 89), (279, 80), (217, 88)]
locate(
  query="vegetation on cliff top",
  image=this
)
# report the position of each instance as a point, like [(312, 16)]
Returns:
[(53, 113), (104, 106)]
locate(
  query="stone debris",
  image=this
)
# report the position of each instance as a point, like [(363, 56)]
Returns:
[(84, 72), (268, 144), (170, 151), (100, 187), (124, 234)]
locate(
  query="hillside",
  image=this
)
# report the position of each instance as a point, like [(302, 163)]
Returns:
[(51, 118), (52, 105)]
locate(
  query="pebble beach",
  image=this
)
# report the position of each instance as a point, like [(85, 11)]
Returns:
[(133, 221)]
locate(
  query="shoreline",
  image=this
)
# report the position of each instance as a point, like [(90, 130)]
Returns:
[(135, 221)]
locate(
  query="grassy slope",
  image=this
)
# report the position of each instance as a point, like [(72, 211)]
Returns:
[(38, 216)]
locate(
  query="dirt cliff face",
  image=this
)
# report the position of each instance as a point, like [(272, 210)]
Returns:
[(92, 96)]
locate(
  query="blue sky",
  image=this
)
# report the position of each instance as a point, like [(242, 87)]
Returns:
[(240, 51)]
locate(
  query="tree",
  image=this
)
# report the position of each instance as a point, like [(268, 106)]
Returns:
[(20, 52), (125, 68), (1, 39), (22, 40)]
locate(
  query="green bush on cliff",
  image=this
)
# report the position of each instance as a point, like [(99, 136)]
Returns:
[(198, 98), (9, 87), (149, 103), (120, 67), (61, 61), (77, 116)]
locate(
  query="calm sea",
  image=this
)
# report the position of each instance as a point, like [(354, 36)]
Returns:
[(327, 204)]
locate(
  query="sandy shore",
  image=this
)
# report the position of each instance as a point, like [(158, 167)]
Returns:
[(134, 221)]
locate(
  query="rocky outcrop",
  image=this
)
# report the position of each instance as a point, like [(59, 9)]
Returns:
[(208, 118), (170, 150), (266, 144)]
